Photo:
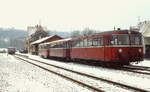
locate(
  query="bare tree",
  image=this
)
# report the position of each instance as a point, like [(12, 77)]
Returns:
[(88, 31), (85, 32), (75, 33)]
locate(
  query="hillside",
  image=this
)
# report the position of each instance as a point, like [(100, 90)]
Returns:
[(12, 37), (16, 37)]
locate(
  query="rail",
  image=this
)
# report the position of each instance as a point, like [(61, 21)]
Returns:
[(69, 78), (98, 78)]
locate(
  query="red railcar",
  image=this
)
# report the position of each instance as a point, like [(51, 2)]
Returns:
[(112, 47), (44, 50), (120, 47), (58, 49)]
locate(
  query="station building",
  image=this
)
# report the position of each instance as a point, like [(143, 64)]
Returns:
[(37, 35), (34, 45)]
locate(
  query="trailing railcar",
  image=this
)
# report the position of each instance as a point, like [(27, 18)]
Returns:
[(44, 50), (57, 49), (60, 48), (112, 47)]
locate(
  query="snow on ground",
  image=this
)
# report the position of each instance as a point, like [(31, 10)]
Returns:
[(96, 83), (146, 62), (18, 76), (137, 80)]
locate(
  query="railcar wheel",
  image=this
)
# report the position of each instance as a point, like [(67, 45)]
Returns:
[(46, 56), (68, 59)]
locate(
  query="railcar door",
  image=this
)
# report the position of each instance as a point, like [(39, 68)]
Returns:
[(107, 48), (99, 48), (67, 50)]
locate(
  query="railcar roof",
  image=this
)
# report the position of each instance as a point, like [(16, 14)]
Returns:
[(95, 35), (106, 33)]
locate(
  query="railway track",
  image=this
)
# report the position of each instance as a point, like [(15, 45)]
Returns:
[(136, 69), (84, 74), (69, 78), (145, 68)]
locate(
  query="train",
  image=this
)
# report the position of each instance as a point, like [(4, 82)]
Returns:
[(11, 50), (119, 47)]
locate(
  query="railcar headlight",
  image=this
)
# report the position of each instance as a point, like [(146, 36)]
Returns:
[(140, 50), (120, 50)]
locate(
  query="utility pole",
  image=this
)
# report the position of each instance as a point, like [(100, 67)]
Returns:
[(29, 32), (139, 19)]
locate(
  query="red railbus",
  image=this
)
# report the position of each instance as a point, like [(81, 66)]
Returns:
[(57, 49), (44, 50), (120, 47), (111, 47)]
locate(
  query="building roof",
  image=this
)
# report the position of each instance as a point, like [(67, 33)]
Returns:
[(44, 39), (57, 41)]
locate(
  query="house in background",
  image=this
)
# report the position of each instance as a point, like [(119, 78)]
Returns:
[(35, 33)]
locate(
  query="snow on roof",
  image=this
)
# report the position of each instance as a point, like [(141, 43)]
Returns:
[(43, 39), (62, 40)]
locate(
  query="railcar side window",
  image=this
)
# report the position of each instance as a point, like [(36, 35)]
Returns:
[(67, 44), (101, 41), (76, 43), (73, 43), (90, 43), (63, 45), (85, 42), (95, 42), (41, 46), (53, 45), (81, 43), (48, 46)]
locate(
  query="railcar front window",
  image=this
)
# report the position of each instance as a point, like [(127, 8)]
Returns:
[(113, 40), (123, 39), (119, 40)]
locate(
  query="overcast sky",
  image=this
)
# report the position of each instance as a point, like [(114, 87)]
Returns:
[(73, 14)]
